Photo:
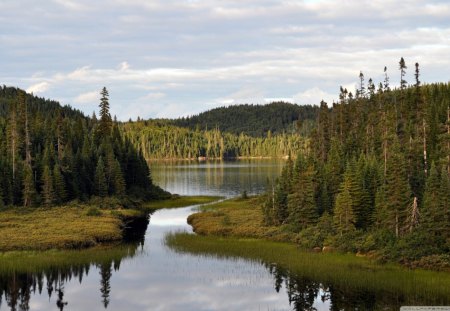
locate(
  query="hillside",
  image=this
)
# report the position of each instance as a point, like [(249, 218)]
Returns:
[(51, 154), (377, 179), (254, 120)]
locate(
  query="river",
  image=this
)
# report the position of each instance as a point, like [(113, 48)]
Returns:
[(145, 274)]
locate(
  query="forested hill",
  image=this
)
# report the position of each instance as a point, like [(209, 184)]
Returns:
[(50, 154), (377, 177), (254, 120)]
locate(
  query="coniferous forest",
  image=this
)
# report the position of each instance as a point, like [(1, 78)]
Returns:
[(161, 140), (51, 154), (376, 178)]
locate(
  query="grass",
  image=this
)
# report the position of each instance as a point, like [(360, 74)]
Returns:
[(38, 261), (236, 217), (235, 228), (60, 227), (344, 271), (179, 201)]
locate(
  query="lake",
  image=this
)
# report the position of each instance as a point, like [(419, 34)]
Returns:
[(145, 274)]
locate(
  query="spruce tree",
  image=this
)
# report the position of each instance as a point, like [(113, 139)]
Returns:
[(344, 218), (105, 117), (48, 194), (59, 185), (101, 187), (434, 211), (302, 209), (29, 189)]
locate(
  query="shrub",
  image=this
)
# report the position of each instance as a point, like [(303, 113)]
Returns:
[(93, 211)]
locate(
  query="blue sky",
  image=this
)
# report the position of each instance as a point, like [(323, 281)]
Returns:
[(166, 58)]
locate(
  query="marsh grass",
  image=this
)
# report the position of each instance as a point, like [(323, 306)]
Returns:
[(60, 227), (237, 217), (179, 201), (345, 271)]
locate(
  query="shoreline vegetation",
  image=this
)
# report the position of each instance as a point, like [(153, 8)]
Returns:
[(234, 229), (202, 159), (243, 218), (76, 226)]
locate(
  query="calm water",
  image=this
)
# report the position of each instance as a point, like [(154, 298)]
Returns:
[(149, 276), (146, 275)]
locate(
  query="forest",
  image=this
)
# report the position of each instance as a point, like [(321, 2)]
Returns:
[(51, 154), (254, 120), (376, 177), (158, 139)]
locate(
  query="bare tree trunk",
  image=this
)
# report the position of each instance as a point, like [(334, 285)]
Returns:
[(27, 139), (425, 163)]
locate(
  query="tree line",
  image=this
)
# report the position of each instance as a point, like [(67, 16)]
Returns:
[(160, 140), (51, 154), (376, 177)]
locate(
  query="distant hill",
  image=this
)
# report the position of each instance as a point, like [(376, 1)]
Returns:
[(253, 120)]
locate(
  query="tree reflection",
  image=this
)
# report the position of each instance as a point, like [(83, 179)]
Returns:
[(306, 294), (20, 283)]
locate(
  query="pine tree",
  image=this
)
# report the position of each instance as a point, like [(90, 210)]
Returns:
[(397, 192), (48, 193), (29, 189), (101, 188), (118, 180), (344, 218), (282, 191), (402, 67), (105, 117), (302, 211), (59, 185), (434, 211)]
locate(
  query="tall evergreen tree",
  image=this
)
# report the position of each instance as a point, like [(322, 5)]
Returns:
[(301, 204), (101, 187), (48, 194), (105, 117), (29, 188), (344, 218)]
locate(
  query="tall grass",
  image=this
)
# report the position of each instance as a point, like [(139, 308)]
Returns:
[(345, 271)]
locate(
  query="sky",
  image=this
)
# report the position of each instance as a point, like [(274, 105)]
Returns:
[(167, 58)]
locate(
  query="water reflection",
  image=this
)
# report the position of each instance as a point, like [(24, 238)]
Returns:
[(145, 275), (216, 177)]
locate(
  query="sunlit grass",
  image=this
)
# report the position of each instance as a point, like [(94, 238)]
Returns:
[(179, 201), (343, 270), (59, 227), (236, 217)]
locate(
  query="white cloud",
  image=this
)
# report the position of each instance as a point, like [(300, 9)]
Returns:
[(204, 53), (87, 98), (38, 87), (313, 97)]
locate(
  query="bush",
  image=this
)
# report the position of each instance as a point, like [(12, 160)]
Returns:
[(93, 211)]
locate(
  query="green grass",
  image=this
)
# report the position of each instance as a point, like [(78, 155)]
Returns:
[(344, 271), (60, 227), (179, 201), (236, 217)]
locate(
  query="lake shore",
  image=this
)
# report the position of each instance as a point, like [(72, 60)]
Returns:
[(243, 218), (76, 226)]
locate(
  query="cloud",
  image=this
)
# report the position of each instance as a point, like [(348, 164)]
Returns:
[(203, 54), (87, 98), (40, 87), (313, 97)]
